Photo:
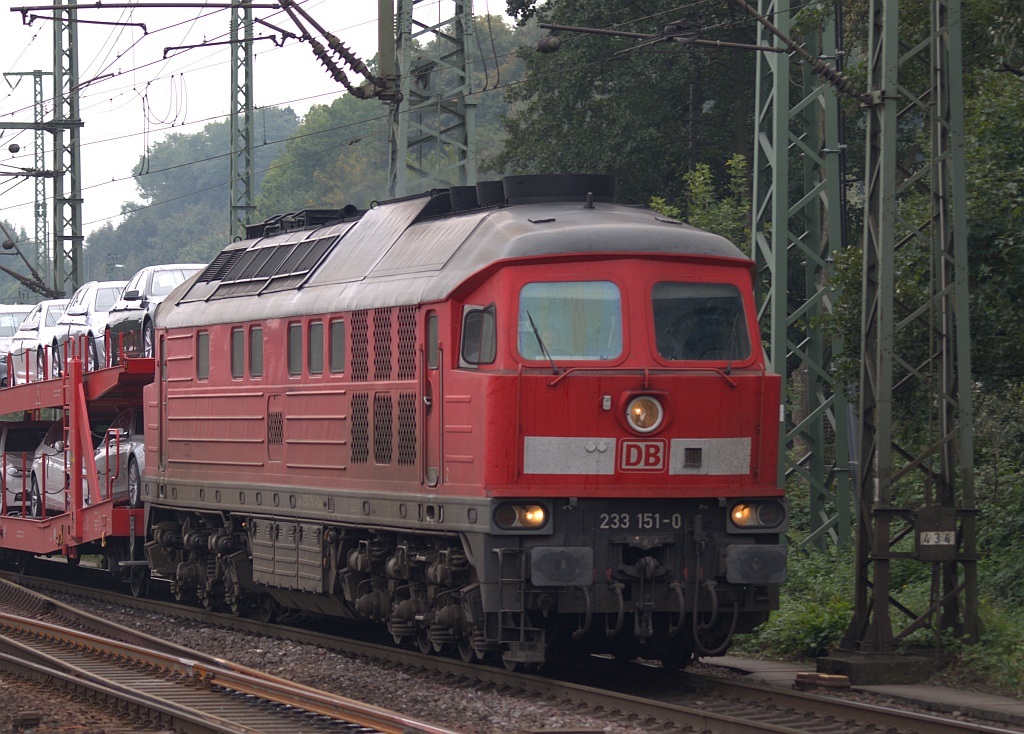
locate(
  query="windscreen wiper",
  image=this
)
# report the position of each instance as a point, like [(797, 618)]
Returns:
[(540, 343)]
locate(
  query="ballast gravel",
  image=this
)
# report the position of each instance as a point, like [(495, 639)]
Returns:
[(460, 707)]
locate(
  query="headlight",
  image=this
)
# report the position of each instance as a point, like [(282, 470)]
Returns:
[(525, 517), (757, 515), (644, 414)]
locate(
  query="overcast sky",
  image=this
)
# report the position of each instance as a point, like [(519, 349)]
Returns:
[(148, 95)]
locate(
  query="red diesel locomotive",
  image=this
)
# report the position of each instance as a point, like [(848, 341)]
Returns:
[(515, 420)]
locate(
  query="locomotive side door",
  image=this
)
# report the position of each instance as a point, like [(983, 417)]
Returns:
[(162, 406), (432, 402)]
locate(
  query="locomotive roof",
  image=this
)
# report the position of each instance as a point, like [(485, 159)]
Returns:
[(403, 252)]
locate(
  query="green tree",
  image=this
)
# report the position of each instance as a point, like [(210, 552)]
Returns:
[(995, 209), (644, 112), (184, 214), (348, 132), (340, 153), (726, 213)]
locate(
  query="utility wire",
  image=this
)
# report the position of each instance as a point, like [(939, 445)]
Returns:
[(497, 86)]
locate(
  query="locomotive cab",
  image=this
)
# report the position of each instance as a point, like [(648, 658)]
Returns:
[(639, 507)]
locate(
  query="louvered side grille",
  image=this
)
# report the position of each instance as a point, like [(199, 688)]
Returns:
[(360, 427), (360, 347), (406, 428), (407, 343), (383, 428), (382, 344)]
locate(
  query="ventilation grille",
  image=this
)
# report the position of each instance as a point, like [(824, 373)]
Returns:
[(383, 428), (360, 347), (220, 265), (360, 427), (407, 428), (406, 342), (382, 344), (275, 429)]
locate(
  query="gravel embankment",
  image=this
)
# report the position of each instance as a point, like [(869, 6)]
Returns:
[(457, 706)]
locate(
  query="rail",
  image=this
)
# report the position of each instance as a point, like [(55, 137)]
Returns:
[(196, 692)]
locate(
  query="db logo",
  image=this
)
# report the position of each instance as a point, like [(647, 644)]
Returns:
[(642, 455)]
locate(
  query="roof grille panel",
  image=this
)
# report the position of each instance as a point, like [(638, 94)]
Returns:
[(220, 265)]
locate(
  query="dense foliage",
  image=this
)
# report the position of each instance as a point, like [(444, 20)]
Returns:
[(184, 184), (340, 153), (646, 112)]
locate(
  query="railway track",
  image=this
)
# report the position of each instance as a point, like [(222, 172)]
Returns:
[(650, 698), (156, 681)]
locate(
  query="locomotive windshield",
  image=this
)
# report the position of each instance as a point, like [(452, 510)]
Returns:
[(699, 321), (574, 320)]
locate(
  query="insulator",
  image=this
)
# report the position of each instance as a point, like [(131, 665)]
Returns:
[(549, 44)]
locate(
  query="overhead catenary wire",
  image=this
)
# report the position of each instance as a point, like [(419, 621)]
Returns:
[(318, 152), (154, 129)]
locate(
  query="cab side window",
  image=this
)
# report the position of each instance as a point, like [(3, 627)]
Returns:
[(479, 336)]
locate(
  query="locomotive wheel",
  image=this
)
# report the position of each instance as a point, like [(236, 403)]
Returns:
[(134, 484), (423, 643), (232, 592), (268, 608), (513, 666), (676, 655), (139, 581), (213, 602), (182, 594), (466, 651)]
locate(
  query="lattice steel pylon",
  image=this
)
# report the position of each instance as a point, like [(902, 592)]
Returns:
[(67, 201), (242, 120), (39, 161), (432, 124), (916, 489), (795, 234), (41, 260)]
